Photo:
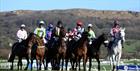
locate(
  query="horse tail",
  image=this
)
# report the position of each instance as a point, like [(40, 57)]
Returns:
[(11, 57)]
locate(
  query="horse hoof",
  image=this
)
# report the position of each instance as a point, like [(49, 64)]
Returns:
[(11, 68), (75, 68)]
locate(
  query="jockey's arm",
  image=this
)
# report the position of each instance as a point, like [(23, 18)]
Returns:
[(25, 35), (35, 31), (111, 32), (19, 35), (44, 33), (93, 35)]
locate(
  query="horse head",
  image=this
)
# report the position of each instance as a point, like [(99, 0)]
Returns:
[(104, 39), (122, 33), (31, 40), (85, 35)]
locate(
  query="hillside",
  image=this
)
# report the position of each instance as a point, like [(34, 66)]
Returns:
[(102, 21)]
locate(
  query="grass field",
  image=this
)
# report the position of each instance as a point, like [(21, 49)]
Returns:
[(4, 65)]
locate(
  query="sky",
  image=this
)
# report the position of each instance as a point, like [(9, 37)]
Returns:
[(121, 5)]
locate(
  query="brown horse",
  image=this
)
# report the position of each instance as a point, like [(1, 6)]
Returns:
[(37, 43), (80, 50), (61, 48)]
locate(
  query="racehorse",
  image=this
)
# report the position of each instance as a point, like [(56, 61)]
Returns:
[(94, 49), (61, 47), (115, 50), (37, 43), (80, 51), (71, 42), (56, 50), (20, 50)]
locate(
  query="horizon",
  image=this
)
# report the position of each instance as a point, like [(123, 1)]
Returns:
[(111, 5), (71, 9)]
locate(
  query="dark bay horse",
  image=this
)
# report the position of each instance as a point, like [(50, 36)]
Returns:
[(71, 42), (56, 50), (94, 49), (80, 51), (61, 48), (20, 50), (39, 52)]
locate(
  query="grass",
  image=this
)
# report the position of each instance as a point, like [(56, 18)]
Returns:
[(131, 45)]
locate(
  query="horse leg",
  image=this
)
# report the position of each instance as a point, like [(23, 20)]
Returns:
[(20, 63), (11, 59), (31, 63), (27, 59), (43, 63), (113, 59), (40, 63), (66, 62), (90, 63), (119, 57), (84, 63), (37, 63), (72, 63), (98, 63), (12, 65), (79, 63)]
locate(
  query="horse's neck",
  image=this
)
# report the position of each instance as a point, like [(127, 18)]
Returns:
[(83, 42), (40, 42), (97, 43)]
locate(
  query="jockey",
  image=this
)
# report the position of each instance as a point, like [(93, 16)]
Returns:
[(21, 34), (41, 31), (49, 32), (56, 33), (91, 36), (56, 30), (78, 30), (115, 30), (69, 34)]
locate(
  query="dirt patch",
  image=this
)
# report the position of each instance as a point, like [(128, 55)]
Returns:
[(4, 52)]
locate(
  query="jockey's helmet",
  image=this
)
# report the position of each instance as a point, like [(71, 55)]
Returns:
[(50, 25), (79, 23), (59, 23), (89, 25), (23, 25), (42, 22), (116, 23)]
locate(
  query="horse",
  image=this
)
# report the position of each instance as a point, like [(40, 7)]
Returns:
[(61, 51), (61, 48), (37, 43), (71, 42), (94, 49), (56, 49), (20, 50), (115, 49), (80, 51)]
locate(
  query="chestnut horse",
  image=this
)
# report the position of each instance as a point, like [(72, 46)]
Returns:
[(37, 43), (80, 50)]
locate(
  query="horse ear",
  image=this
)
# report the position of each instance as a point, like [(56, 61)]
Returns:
[(124, 29)]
